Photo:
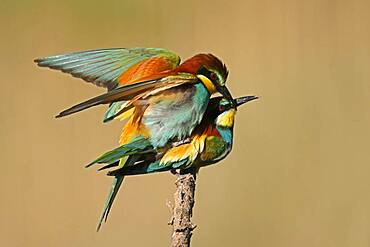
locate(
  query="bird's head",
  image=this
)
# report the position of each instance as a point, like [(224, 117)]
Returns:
[(210, 70), (224, 110)]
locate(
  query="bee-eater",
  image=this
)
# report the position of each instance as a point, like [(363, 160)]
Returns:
[(147, 82), (210, 142), (164, 100)]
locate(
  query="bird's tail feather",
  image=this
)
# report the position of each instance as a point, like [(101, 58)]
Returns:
[(118, 179), (109, 202)]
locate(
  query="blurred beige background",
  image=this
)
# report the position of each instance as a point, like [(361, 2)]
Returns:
[(299, 172)]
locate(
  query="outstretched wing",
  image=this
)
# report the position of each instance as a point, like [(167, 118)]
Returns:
[(111, 67), (135, 90)]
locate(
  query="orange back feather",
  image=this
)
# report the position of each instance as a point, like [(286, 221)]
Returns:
[(144, 70)]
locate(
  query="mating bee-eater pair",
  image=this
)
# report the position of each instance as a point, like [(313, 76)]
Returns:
[(173, 122)]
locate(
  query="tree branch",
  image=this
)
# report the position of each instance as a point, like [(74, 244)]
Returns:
[(183, 210)]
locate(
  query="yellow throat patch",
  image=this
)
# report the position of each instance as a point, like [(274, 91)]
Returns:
[(226, 119)]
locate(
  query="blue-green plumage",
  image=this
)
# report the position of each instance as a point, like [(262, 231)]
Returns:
[(103, 67), (172, 125), (117, 182), (226, 134), (170, 119)]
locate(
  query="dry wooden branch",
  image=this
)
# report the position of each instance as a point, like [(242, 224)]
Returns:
[(183, 210)]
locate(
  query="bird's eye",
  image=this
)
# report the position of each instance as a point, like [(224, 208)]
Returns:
[(213, 76), (221, 107)]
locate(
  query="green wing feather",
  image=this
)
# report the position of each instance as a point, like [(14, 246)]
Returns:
[(103, 67), (148, 167), (139, 145)]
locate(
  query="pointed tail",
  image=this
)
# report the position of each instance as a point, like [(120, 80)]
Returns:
[(109, 202), (117, 182)]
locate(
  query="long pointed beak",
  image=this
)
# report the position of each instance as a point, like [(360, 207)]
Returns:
[(244, 99)]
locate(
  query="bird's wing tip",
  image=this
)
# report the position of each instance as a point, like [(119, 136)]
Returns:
[(90, 164), (98, 227)]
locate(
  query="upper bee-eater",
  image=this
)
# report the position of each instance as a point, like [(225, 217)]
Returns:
[(164, 100), (148, 82)]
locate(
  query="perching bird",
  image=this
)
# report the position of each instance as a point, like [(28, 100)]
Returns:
[(210, 142), (163, 99)]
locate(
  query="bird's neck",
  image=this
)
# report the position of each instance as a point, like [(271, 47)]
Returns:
[(226, 134), (225, 124)]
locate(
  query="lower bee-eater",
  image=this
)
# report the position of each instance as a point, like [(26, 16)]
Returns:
[(210, 142)]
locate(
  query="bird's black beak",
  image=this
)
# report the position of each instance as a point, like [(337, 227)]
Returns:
[(244, 99), (225, 92)]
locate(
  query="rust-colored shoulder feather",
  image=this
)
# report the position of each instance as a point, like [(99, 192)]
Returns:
[(193, 64), (153, 68)]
